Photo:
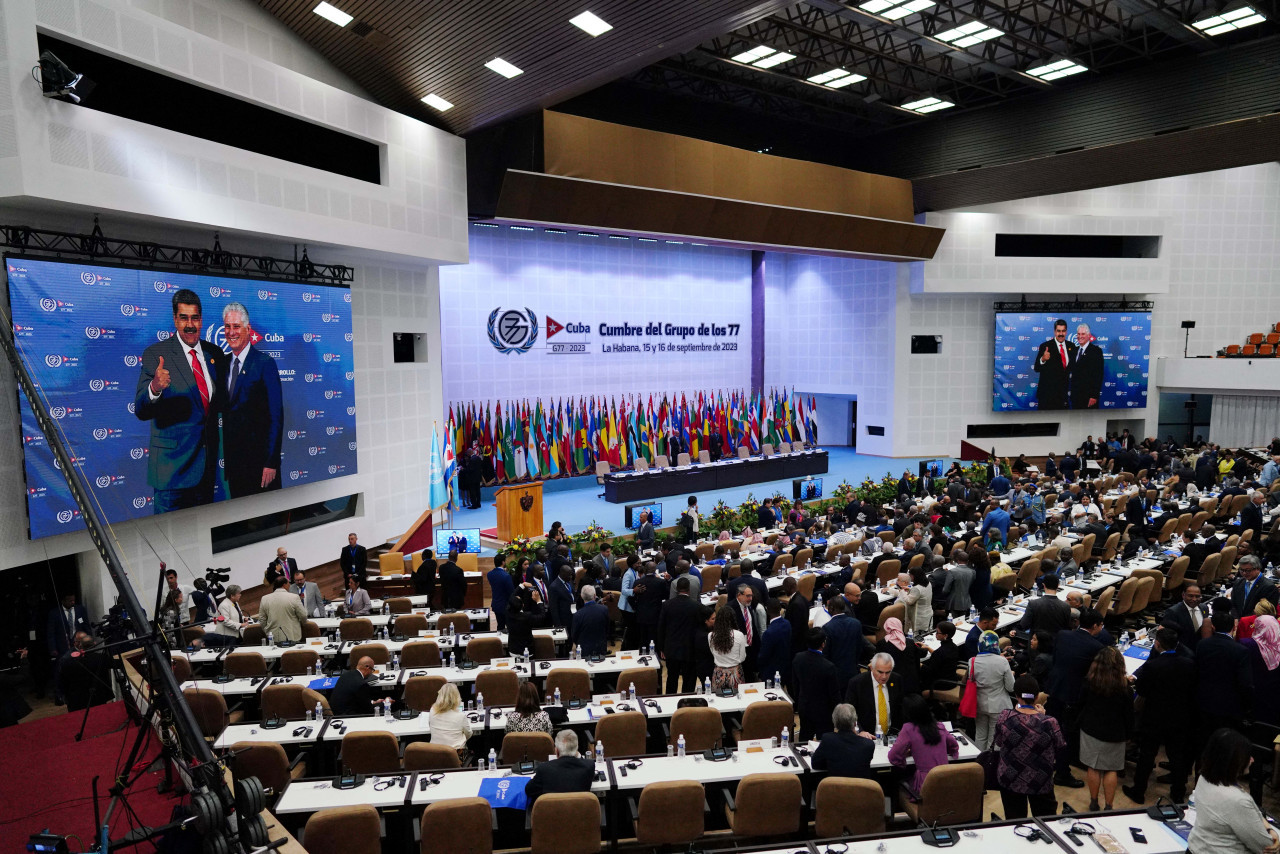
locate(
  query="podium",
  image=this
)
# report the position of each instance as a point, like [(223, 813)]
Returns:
[(519, 511)]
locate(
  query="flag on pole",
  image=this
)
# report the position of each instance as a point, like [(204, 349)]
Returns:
[(450, 472), (437, 494)]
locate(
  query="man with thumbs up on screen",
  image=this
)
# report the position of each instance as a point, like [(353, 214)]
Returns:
[(182, 389)]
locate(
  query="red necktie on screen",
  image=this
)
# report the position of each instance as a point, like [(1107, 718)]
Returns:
[(200, 383), (1062, 351), (746, 618)]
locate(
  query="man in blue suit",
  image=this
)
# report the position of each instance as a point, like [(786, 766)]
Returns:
[(845, 643), (775, 645), (590, 625), (1073, 652), (182, 389), (501, 587), (253, 424)]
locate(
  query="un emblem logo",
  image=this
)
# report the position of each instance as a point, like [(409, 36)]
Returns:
[(512, 331)]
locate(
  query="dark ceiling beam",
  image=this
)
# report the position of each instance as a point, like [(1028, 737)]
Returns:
[(1167, 24)]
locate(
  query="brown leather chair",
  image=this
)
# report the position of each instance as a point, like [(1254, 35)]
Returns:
[(765, 719), (311, 630), (377, 651), (399, 605), (291, 702), (517, 746), (210, 710), (566, 823), (803, 556), (897, 609), (1177, 575), (371, 752), (848, 804), (461, 622), (181, 669), (700, 726), (951, 791), (425, 756), (410, 625), (670, 813), (253, 635), (711, 577), (805, 585), (296, 661), (500, 687), (544, 648), (191, 634), (644, 678), (267, 761), (766, 805), (420, 692), (623, 734), (424, 653), (571, 681), (483, 650), (356, 629), (888, 570), (458, 826), (344, 830), (244, 663)]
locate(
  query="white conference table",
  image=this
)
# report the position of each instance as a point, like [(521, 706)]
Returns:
[(465, 783), (308, 796), (655, 769), (612, 664), (1161, 839)]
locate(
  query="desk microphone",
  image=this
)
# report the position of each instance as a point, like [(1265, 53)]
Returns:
[(939, 837)]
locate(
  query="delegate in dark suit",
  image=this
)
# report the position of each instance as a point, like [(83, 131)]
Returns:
[(678, 624), (816, 686), (591, 628), (862, 697), (1053, 363), (1251, 518), (354, 560), (1086, 376), (1178, 617), (1224, 682), (502, 587), (1048, 613), (563, 774), (281, 566), (797, 614), (59, 633), (844, 754), (253, 424), (560, 594), (775, 650), (453, 585), (1245, 595), (1166, 683), (183, 459), (845, 644), (351, 695)]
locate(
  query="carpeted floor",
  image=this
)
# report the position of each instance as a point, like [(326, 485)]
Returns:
[(577, 503), (45, 777)]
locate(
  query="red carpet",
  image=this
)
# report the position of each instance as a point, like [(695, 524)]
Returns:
[(45, 776)]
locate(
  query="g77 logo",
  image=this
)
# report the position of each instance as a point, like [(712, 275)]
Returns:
[(512, 331)]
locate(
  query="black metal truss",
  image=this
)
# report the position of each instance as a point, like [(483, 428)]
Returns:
[(95, 246)]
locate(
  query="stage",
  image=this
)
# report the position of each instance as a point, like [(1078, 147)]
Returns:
[(45, 777), (576, 502)]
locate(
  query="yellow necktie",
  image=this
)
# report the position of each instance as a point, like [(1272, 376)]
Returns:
[(882, 708)]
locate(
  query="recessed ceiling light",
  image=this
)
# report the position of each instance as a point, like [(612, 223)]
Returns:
[(774, 59), (332, 13), (501, 66), (895, 9), (1235, 19), (1054, 70), (590, 24), (968, 35), (836, 78), (750, 56), (927, 105), (434, 100)]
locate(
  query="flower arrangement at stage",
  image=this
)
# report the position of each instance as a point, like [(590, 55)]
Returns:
[(723, 517), (843, 494), (522, 544), (593, 533)]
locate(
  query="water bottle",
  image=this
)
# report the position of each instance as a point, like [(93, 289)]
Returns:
[(706, 685), (786, 737), (452, 660), (337, 636), (556, 698), (1191, 799), (911, 635), (270, 639), (817, 600), (599, 750), (480, 703), (395, 661), (319, 711), (879, 733), (653, 650), (577, 651), (386, 704), (1080, 574), (493, 759), (680, 745), (631, 692), (973, 613), (1124, 640)]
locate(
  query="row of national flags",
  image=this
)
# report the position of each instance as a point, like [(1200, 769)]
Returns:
[(525, 440)]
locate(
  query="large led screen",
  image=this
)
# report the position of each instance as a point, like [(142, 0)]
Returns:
[(267, 402), (1080, 360)]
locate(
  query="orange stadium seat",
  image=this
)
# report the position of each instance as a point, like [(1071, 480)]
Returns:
[(1266, 350), (1233, 349), (1249, 350), (1256, 338), (1273, 337)]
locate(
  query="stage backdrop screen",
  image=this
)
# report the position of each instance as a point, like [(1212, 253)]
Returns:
[(88, 332), (1101, 361)]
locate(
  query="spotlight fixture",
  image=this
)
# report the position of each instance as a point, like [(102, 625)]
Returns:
[(59, 81)]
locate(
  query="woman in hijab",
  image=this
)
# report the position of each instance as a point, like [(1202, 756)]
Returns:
[(1264, 656), (724, 537), (905, 654), (991, 672)]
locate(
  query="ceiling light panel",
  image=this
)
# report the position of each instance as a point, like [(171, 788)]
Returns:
[(927, 105), (436, 102), (774, 59), (754, 54), (974, 32), (590, 24), (894, 10), (499, 65), (1055, 70), (332, 13), (1235, 19), (836, 78)]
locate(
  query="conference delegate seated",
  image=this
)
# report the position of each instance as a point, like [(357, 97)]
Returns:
[(845, 752), (876, 695), (352, 695), (568, 772)]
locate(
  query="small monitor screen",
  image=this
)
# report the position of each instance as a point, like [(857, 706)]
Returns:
[(806, 488), (633, 511), (462, 539), (933, 468)]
